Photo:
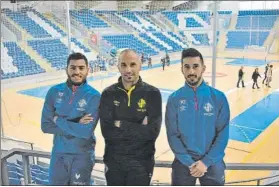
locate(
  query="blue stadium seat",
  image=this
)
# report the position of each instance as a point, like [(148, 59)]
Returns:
[(202, 38), (87, 18), (53, 50), (22, 19), (24, 63), (14, 181), (240, 39), (129, 41), (15, 175)]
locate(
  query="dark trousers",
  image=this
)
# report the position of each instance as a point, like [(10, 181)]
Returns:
[(265, 77), (255, 83), (215, 175), (139, 175), (240, 79), (70, 169)]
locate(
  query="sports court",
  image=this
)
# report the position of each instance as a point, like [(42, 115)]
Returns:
[(254, 123)]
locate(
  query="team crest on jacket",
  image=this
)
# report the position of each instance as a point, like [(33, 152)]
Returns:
[(208, 109), (141, 105), (82, 103), (116, 103), (60, 94), (183, 105)]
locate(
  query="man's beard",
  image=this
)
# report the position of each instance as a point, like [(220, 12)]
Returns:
[(193, 83), (75, 83)]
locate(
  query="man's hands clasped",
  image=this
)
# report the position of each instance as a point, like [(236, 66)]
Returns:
[(198, 169)]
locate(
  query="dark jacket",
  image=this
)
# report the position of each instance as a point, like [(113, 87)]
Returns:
[(240, 73), (132, 141), (255, 75)]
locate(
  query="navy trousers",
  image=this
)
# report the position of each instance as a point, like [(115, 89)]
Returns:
[(215, 175), (70, 169)]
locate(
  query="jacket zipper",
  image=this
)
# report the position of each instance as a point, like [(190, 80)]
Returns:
[(195, 99), (73, 94), (128, 94)]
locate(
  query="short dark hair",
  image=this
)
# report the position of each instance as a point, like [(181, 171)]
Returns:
[(191, 52), (77, 56)]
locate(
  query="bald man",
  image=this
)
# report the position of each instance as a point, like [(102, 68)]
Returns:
[(130, 117)]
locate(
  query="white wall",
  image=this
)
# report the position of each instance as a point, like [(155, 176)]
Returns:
[(107, 5), (229, 5), (258, 5), (7, 34)]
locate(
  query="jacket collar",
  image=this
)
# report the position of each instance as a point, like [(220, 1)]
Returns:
[(138, 84), (201, 86), (73, 87)]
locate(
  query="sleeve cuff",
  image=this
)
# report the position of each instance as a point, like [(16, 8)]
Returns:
[(207, 161)]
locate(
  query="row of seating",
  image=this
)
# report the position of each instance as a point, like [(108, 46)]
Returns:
[(240, 39), (258, 12), (22, 19), (256, 22), (129, 41), (39, 174), (49, 22), (53, 50), (87, 18), (190, 21), (25, 65)]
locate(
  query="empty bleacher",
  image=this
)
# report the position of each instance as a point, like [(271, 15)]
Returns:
[(22, 19), (49, 22), (25, 65), (240, 39), (80, 45), (175, 46), (190, 21), (87, 18), (53, 50), (129, 41), (39, 174), (256, 19), (201, 38)]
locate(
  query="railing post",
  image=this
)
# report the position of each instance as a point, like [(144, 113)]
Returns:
[(26, 169), (258, 182)]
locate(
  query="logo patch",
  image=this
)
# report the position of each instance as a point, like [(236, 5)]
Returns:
[(82, 103), (77, 176), (208, 109), (116, 103), (183, 105), (60, 94), (141, 105)]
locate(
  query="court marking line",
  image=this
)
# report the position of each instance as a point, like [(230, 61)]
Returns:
[(247, 127)]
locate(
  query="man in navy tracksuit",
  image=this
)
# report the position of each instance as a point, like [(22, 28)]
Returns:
[(197, 121), (70, 112)]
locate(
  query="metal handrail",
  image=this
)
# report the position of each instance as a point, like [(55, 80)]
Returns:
[(165, 164), (20, 141)]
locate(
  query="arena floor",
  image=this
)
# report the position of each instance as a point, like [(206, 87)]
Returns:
[(254, 113)]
